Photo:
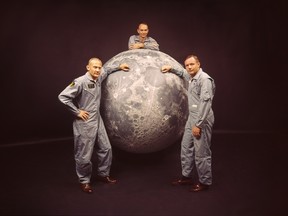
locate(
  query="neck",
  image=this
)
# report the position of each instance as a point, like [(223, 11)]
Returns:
[(142, 39)]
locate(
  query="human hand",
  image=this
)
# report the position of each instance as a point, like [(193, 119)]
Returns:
[(166, 68), (140, 45), (137, 45), (124, 67), (84, 115), (196, 131)]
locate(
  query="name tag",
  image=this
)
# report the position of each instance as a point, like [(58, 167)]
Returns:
[(194, 106), (91, 86)]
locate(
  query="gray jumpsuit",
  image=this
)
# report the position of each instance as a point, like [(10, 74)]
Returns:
[(149, 42), (194, 151), (85, 93)]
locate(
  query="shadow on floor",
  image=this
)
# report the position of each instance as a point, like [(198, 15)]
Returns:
[(249, 178)]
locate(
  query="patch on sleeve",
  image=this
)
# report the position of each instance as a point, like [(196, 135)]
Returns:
[(72, 84)]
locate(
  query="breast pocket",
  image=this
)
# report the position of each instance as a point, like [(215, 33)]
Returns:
[(195, 90), (89, 92)]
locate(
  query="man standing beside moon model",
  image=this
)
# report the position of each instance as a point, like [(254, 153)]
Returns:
[(196, 141)]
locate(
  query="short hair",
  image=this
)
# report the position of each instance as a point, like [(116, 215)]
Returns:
[(143, 23), (94, 59), (194, 56)]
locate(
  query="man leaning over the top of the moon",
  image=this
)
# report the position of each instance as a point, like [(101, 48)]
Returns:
[(142, 41)]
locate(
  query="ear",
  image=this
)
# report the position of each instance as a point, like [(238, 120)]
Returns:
[(87, 67)]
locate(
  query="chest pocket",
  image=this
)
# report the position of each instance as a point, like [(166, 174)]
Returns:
[(195, 88), (91, 88)]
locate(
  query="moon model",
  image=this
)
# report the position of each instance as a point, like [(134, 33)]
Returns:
[(144, 110)]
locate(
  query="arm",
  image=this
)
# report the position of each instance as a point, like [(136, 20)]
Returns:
[(109, 70), (132, 43), (151, 44), (205, 102), (68, 95), (179, 71), (204, 106)]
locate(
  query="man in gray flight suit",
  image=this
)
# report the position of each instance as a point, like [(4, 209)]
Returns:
[(82, 97), (142, 40), (196, 141)]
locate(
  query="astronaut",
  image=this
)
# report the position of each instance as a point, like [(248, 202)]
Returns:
[(82, 98), (196, 140), (142, 41)]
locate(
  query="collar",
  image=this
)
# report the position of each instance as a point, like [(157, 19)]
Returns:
[(138, 38), (197, 74), (89, 77)]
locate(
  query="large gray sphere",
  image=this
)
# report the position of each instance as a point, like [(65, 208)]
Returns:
[(144, 110)]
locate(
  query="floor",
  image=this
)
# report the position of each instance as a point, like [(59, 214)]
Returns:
[(249, 178)]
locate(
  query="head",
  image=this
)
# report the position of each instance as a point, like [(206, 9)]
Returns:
[(192, 64), (94, 67), (143, 30)]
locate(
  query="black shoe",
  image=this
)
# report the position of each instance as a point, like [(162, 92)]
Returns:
[(86, 187), (199, 187), (106, 179), (183, 181)]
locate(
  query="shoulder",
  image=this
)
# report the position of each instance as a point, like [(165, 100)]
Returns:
[(205, 75), (81, 79), (150, 38)]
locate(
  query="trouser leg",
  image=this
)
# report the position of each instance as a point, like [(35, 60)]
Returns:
[(84, 140), (104, 151), (187, 151), (203, 155)]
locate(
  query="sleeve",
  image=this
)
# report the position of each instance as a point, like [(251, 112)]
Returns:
[(205, 103), (181, 72), (107, 70), (131, 41), (68, 95), (152, 44)]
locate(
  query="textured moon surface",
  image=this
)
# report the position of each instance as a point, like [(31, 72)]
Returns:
[(144, 110)]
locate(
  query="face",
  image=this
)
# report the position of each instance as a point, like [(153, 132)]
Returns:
[(143, 30), (192, 66), (94, 68)]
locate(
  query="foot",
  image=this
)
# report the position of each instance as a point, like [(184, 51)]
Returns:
[(199, 187), (106, 179), (86, 187), (183, 181)]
